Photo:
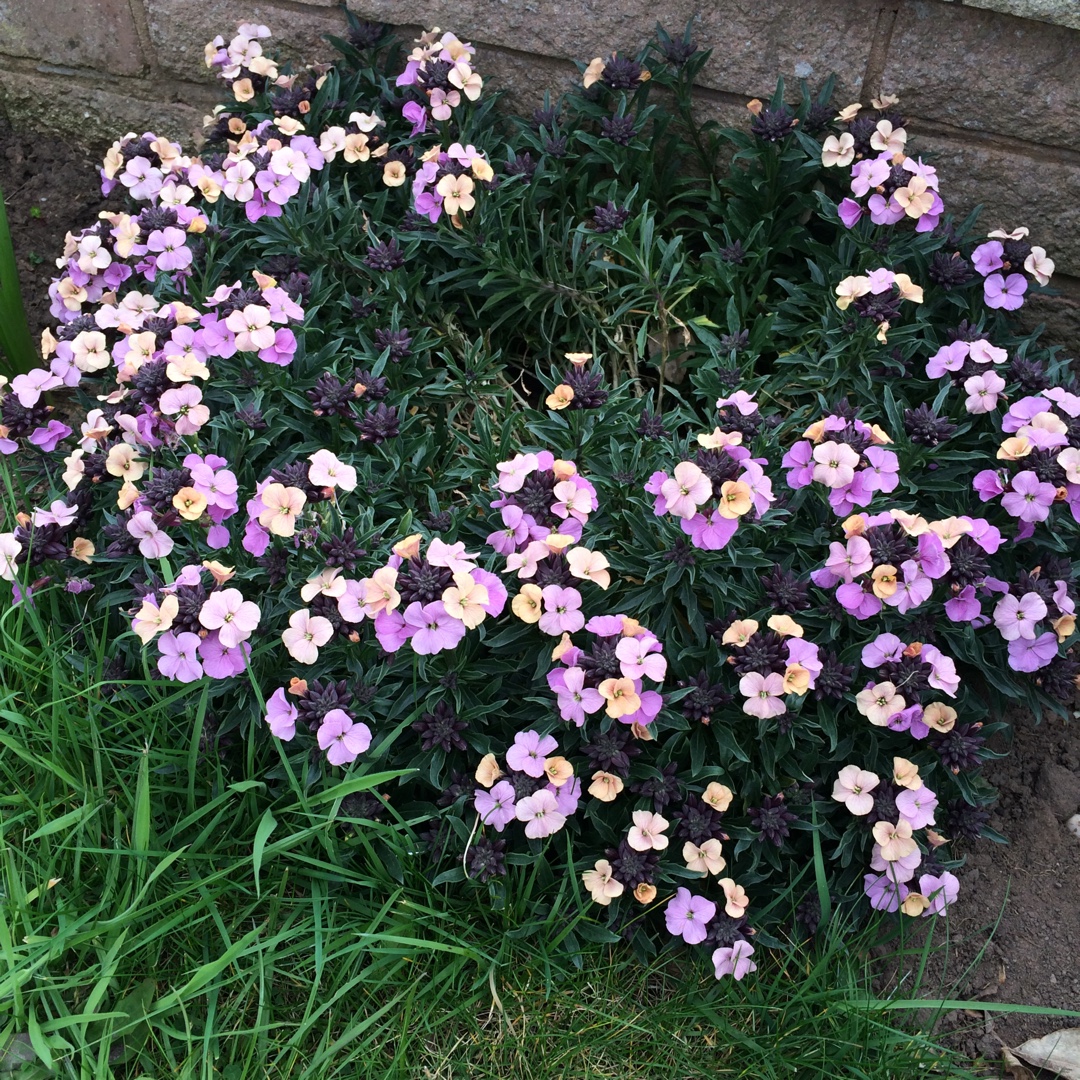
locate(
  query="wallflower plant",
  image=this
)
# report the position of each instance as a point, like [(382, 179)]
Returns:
[(685, 522)]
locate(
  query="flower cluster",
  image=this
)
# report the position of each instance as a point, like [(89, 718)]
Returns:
[(723, 484), (878, 296), (439, 74), (609, 674), (324, 712), (874, 145), (775, 665), (901, 696), (846, 456), (1002, 261), (1041, 452), (895, 810)]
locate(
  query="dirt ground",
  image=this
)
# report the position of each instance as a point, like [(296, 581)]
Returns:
[(1033, 955)]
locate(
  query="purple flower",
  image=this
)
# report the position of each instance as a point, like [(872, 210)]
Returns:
[(1027, 655), (1030, 498), (516, 532), (416, 114), (917, 806), (540, 812), (884, 647), (178, 658), (965, 607), (1018, 617), (220, 661), (941, 890), (342, 738), (47, 438), (858, 602), (734, 960), (988, 257), (850, 212), (988, 485), (884, 471), (800, 460), (567, 797), (496, 807), (529, 751), (1006, 293), (562, 611), (170, 243), (687, 914), (709, 533), (575, 699), (281, 715), (933, 561), (883, 893), (434, 629), (392, 631)]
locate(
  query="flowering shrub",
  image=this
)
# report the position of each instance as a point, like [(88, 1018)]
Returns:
[(702, 522)]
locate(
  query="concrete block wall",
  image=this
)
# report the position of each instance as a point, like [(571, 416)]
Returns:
[(991, 87)]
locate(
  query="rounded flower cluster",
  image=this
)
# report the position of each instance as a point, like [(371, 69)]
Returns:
[(846, 456), (722, 485)]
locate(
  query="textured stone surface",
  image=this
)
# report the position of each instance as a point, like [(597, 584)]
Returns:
[(180, 30), (1061, 12), (1014, 189), (44, 103), (1008, 76), (72, 33), (753, 42), (1060, 315)]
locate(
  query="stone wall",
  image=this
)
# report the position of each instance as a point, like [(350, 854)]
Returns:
[(992, 87)]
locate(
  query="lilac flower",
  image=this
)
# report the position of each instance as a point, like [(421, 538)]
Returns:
[(914, 590), (941, 890), (988, 257), (964, 607), (1018, 617), (709, 533), (178, 657), (516, 532), (435, 630), (170, 243), (562, 611), (48, 438), (540, 812), (1027, 655), (734, 960), (883, 648), (943, 670), (567, 797), (29, 388), (982, 392), (575, 699), (883, 893), (154, 543), (281, 715), (764, 694), (850, 212), (947, 358), (496, 807), (917, 806), (847, 561), (686, 916), (1006, 293), (231, 615), (59, 513), (220, 661), (884, 471), (416, 114), (1030, 498), (342, 738), (529, 751), (640, 658)]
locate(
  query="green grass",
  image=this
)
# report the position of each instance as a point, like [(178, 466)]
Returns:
[(163, 912)]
